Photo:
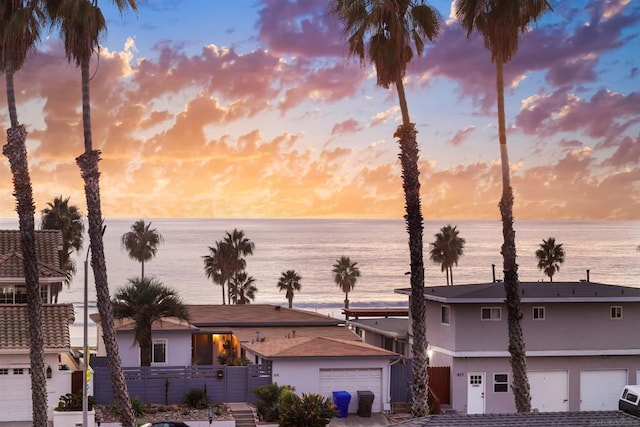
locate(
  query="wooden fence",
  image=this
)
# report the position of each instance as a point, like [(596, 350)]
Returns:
[(402, 378), (168, 385)]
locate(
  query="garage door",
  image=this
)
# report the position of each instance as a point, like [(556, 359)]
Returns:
[(600, 390), (352, 380), (15, 394), (549, 391)]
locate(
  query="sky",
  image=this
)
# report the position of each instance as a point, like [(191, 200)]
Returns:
[(253, 109)]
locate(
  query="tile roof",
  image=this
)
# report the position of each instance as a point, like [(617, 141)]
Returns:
[(532, 292), (532, 419), (166, 324), (248, 334), (14, 331), (48, 244), (316, 347), (255, 314)]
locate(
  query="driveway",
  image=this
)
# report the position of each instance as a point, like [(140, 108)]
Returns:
[(353, 420)]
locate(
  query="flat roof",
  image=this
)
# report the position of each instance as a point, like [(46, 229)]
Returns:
[(376, 312)]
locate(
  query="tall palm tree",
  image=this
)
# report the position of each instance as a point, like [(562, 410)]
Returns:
[(20, 23), (500, 23), (146, 301), (244, 289), (142, 242), (81, 23), (345, 275), (290, 282), (241, 246), (396, 28), (60, 215), (550, 256), (218, 266), (447, 249)]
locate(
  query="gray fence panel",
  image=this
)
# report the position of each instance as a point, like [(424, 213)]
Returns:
[(401, 380), (237, 384)]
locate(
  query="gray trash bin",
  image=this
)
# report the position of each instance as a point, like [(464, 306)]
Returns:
[(365, 402)]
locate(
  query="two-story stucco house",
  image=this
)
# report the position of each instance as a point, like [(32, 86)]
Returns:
[(582, 344)]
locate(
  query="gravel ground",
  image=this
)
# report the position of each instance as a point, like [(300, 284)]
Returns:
[(162, 412)]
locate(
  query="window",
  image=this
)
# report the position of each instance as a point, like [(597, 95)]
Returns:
[(538, 313), (491, 313), (444, 314), (4, 371), (44, 294), (616, 312), (159, 351), (501, 383), (18, 371)]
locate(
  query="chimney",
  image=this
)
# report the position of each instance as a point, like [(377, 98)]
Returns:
[(588, 276), (493, 270), (294, 333), (257, 336)]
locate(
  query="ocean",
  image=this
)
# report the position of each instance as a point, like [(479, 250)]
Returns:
[(609, 250)]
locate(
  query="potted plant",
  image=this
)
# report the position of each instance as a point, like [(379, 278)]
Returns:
[(69, 413)]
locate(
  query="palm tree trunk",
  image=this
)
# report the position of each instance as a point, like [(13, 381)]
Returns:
[(142, 277), (346, 300), (88, 163), (11, 95), (145, 352), (451, 274), (520, 385), (291, 302), (15, 150), (406, 133)]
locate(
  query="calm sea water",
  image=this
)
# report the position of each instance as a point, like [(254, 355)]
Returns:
[(607, 249)]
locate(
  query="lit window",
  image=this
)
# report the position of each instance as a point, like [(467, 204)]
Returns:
[(538, 313), (501, 383), (616, 312), (491, 313), (444, 314), (159, 351)]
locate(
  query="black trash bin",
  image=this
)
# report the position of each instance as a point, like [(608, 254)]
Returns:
[(365, 402)]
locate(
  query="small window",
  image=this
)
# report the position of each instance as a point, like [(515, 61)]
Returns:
[(538, 313), (4, 371), (616, 312), (491, 313), (444, 314), (159, 351), (501, 383)]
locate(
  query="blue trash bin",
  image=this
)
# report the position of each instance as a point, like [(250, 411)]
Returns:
[(341, 399)]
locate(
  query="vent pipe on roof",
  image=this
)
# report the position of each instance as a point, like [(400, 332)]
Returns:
[(493, 270), (257, 335), (587, 275)]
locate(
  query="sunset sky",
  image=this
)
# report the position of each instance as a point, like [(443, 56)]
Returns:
[(252, 108)]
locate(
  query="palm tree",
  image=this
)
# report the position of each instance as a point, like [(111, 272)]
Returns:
[(500, 23), (396, 27), (142, 242), (447, 249), (289, 281), (218, 265), (81, 24), (146, 301), (59, 215), (550, 256), (20, 23), (244, 289), (240, 247), (345, 275)]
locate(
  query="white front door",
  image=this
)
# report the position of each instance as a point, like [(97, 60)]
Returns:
[(549, 391), (600, 390), (475, 393)]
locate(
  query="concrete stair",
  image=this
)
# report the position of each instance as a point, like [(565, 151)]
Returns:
[(244, 417)]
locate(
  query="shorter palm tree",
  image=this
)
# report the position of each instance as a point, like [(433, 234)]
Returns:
[(345, 274), (550, 256), (146, 301), (243, 289), (60, 215), (219, 265), (142, 242), (447, 249), (289, 281), (241, 246)]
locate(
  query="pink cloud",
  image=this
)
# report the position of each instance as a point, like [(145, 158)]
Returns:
[(461, 136), (347, 126)]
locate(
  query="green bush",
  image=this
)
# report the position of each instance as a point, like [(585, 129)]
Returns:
[(310, 410), (138, 407), (196, 398), (268, 400), (73, 402)]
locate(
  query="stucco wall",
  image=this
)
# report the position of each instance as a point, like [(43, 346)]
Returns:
[(178, 348)]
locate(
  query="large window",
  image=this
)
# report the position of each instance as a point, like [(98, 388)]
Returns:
[(444, 314), (159, 351), (501, 383), (491, 313), (616, 312)]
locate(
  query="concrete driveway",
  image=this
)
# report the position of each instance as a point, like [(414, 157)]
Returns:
[(353, 420)]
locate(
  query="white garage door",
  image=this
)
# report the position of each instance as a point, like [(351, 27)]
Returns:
[(352, 380), (15, 394), (600, 390), (549, 391)]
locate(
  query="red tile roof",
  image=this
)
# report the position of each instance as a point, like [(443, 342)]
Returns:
[(48, 245), (14, 331)]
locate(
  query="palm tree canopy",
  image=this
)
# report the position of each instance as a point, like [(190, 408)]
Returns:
[(550, 256), (244, 289), (289, 281), (20, 25), (345, 273), (447, 248), (142, 241), (240, 244), (396, 28), (499, 22), (217, 264), (145, 301)]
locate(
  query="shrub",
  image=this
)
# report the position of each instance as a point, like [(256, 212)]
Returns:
[(73, 402), (268, 400), (196, 398), (138, 407), (310, 410)]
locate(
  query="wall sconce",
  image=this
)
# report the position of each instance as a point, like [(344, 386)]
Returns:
[(429, 352), (49, 371)]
